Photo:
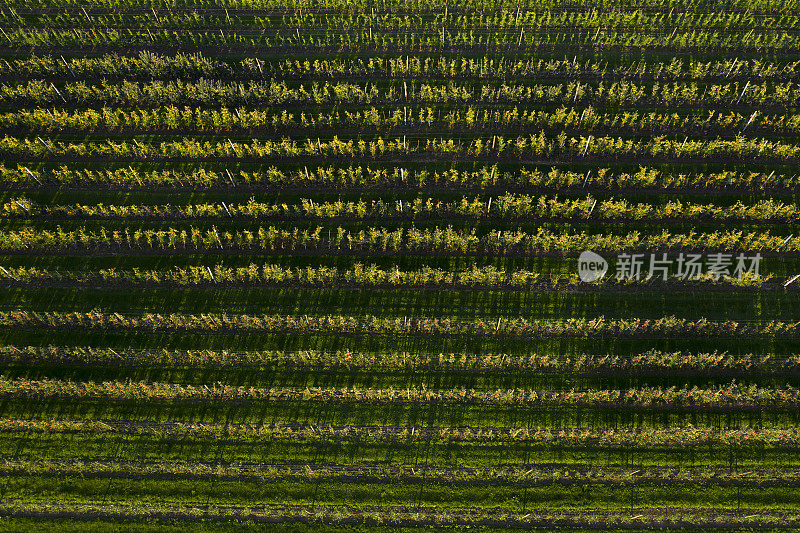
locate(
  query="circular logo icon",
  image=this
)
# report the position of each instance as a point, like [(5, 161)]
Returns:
[(591, 266)]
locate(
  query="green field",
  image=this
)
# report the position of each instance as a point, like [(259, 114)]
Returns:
[(319, 265)]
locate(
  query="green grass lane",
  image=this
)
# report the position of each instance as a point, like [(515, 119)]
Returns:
[(76, 490), (389, 451), (464, 305), (396, 413)]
